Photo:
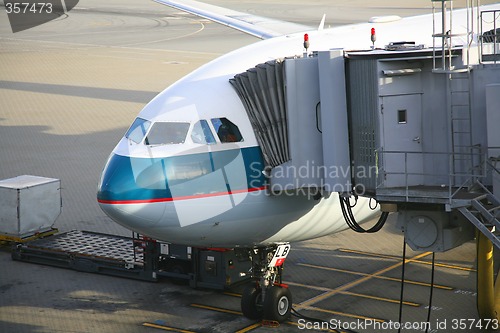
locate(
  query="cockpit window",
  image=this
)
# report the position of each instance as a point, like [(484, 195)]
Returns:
[(226, 130), (202, 134), (138, 130), (166, 133)]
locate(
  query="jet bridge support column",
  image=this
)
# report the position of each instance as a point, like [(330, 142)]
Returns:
[(334, 123), (493, 119), (317, 121)]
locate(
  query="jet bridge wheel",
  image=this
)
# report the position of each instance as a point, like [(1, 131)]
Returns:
[(277, 304)]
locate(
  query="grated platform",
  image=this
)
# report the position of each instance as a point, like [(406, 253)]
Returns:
[(93, 252), (91, 244)]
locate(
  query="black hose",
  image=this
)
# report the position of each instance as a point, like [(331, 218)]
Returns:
[(430, 294), (346, 208), (370, 204), (400, 319)]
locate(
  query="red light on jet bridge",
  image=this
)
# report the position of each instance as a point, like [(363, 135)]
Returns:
[(306, 41), (373, 37)]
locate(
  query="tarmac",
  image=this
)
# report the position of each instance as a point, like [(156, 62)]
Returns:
[(70, 88)]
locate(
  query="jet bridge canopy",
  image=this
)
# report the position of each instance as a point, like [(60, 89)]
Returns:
[(262, 91), (297, 107)]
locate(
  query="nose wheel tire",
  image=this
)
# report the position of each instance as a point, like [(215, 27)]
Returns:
[(251, 302), (267, 298), (277, 304)]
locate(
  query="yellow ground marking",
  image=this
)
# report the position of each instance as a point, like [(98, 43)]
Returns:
[(243, 330), (338, 313), (376, 276), (321, 329), (462, 268), (366, 277), (383, 299), (354, 294), (249, 328), (213, 308), (166, 328)]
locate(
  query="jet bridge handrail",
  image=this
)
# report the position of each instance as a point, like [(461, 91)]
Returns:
[(490, 40), (493, 161), (477, 172)]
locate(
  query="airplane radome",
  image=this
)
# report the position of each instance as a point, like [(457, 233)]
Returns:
[(190, 170)]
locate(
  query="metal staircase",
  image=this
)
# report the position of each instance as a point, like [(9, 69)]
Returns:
[(484, 213)]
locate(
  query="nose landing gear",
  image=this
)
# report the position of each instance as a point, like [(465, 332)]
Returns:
[(268, 298)]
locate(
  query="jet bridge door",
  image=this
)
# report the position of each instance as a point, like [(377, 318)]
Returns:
[(402, 159)]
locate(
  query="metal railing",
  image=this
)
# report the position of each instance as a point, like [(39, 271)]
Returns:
[(490, 40), (412, 184), (445, 39)]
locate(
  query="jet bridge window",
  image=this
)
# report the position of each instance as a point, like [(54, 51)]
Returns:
[(226, 130), (202, 134), (402, 117), (167, 133), (138, 130)]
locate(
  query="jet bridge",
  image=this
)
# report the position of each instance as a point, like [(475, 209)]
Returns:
[(415, 128)]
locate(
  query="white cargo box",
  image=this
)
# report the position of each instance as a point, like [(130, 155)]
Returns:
[(29, 205)]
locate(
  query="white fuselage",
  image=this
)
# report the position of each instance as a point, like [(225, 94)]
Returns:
[(203, 192)]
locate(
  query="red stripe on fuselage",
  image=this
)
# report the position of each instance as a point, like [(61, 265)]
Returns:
[(188, 197)]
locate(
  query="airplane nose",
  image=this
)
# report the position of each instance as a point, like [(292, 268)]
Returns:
[(132, 192)]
